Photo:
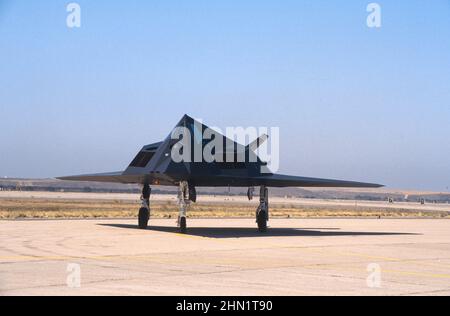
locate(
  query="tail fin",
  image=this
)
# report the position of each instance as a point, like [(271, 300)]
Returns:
[(257, 142)]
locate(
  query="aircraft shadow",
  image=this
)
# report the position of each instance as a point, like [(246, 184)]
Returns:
[(239, 232)]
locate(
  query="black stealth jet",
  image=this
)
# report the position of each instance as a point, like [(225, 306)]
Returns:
[(233, 165)]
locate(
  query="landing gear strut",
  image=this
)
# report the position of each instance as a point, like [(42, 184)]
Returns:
[(183, 203), (262, 212), (144, 211)]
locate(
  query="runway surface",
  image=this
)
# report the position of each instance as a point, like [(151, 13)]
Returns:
[(226, 257)]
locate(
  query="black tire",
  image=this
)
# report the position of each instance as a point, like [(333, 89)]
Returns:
[(143, 217), (183, 225), (261, 219)]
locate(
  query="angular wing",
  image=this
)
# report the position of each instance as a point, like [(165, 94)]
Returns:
[(98, 177), (119, 177), (278, 180)]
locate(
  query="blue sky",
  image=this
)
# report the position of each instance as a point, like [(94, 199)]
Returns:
[(351, 102)]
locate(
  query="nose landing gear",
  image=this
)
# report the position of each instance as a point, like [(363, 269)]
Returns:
[(183, 203)]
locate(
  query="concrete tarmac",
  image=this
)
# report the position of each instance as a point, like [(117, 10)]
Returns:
[(225, 257)]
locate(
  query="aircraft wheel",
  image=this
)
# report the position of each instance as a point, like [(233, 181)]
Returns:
[(183, 225), (261, 219), (143, 217)]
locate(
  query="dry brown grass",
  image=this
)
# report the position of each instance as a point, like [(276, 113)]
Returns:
[(60, 208)]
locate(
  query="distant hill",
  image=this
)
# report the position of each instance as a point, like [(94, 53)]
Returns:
[(381, 194)]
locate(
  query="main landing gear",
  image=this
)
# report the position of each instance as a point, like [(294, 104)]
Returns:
[(144, 211), (183, 202), (187, 193), (262, 212)]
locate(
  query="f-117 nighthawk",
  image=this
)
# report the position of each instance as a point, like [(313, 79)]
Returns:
[(156, 164)]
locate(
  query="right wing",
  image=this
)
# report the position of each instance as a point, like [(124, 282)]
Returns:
[(119, 177), (279, 180)]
